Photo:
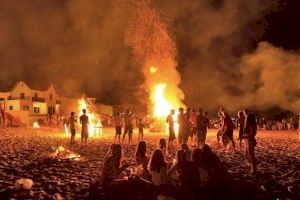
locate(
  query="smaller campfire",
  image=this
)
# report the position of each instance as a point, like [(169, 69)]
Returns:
[(64, 154)]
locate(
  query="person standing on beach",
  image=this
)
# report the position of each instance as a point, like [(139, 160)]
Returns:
[(228, 128), (202, 125), (170, 121), (181, 124), (240, 122), (84, 121), (128, 126), (72, 122), (118, 126), (250, 130)]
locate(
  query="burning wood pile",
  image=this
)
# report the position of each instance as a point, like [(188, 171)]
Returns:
[(64, 154)]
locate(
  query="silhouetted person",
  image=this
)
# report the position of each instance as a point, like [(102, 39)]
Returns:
[(118, 126), (84, 121), (72, 122), (188, 125), (240, 122), (163, 146), (141, 127), (181, 126), (112, 167), (170, 121), (227, 128), (128, 126), (141, 161), (250, 130), (202, 124), (193, 132)]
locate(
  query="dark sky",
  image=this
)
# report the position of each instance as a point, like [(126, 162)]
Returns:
[(79, 46)]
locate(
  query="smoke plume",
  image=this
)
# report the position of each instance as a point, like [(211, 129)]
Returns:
[(83, 47)]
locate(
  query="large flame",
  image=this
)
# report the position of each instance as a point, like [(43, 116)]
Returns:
[(155, 51), (95, 125), (161, 105)]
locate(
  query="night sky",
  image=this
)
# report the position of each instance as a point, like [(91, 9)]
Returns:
[(79, 46)]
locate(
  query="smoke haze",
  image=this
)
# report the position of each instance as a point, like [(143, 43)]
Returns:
[(81, 47)]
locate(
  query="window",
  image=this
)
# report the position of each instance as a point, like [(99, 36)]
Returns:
[(51, 96), (36, 95), (25, 107), (22, 95), (36, 109), (11, 107)]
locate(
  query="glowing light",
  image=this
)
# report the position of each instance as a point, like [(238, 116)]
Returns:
[(95, 125), (66, 130), (36, 125), (153, 70), (161, 106)]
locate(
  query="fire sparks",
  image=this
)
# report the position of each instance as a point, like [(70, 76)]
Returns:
[(36, 125), (95, 125)]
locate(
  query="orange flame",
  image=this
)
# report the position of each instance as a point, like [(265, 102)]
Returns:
[(95, 125)]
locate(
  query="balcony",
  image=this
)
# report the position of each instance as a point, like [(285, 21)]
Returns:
[(37, 99)]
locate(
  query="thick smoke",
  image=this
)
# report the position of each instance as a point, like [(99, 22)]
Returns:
[(77, 45), (80, 46)]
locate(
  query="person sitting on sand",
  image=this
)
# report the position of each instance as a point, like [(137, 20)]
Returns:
[(186, 150), (112, 167), (159, 177), (141, 161), (217, 172), (180, 173), (163, 146)]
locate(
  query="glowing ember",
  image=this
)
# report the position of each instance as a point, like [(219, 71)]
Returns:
[(63, 154), (95, 125), (36, 125)]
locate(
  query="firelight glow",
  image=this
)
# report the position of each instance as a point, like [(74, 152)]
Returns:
[(161, 105), (95, 126)]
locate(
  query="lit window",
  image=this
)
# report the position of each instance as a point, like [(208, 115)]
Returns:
[(25, 107), (36, 109)]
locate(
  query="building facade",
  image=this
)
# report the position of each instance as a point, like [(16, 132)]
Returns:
[(22, 100)]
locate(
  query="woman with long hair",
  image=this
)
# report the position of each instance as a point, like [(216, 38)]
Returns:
[(112, 167), (141, 160)]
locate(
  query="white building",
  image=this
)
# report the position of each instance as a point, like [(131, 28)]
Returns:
[(29, 104)]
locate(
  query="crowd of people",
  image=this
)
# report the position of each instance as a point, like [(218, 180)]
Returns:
[(190, 174)]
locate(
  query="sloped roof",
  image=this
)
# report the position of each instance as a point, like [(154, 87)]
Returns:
[(42, 89)]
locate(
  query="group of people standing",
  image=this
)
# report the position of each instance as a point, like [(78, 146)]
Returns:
[(194, 125)]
